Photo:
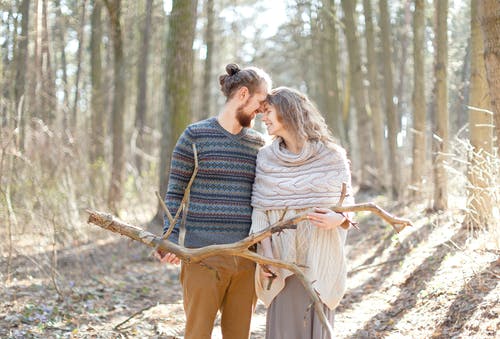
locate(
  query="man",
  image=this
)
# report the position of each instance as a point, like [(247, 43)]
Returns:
[(219, 206)]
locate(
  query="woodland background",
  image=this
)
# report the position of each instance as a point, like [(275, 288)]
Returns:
[(94, 93)]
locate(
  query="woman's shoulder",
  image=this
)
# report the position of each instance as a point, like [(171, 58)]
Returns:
[(336, 156)]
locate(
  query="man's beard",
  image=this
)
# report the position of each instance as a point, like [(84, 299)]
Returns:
[(244, 119)]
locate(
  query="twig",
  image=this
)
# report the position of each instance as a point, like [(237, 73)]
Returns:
[(185, 198), (133, 315)]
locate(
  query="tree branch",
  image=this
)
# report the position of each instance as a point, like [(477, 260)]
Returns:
[(239, 248)]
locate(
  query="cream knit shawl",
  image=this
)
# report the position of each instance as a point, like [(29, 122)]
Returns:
[(287, 183), (312, 178)]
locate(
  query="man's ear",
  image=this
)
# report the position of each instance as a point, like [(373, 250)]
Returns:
[(243, 92)]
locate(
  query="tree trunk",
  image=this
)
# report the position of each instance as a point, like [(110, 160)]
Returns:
[(392, 119), (489, 14), (8, 69), (208, 82), (418, 99), (375, 95), (74, 116), (441, 138), (179, 82), (21, 66), (33, 99), (459, 97), (142, 84), (402, 62), (355, 68), (328, 71), (334, 113), (60, 32), (115, 187), (481, 131), (47, 90), (98, 129), (320, 53)]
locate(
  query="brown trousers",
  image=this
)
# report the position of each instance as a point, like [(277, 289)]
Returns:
[(224, 283)]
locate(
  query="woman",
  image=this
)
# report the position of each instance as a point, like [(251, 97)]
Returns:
[(302, 169)]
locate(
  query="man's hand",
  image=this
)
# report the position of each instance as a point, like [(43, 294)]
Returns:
[(166, 257), (325, 219)]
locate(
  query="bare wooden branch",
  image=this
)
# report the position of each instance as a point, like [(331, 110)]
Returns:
[(240, 248)]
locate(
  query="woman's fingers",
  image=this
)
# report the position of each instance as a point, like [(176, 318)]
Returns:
[(321, 210)]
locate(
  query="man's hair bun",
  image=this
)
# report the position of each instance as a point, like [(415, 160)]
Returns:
[(232, 69)]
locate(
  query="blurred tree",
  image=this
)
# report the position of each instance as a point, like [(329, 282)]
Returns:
[(402, 39), (489, 13), (46, 87), (418, 99), (375, 96), (392, 118), (331, 71), (356, 73), (441, 138), (208, 81), (80, 38), (481, 131), (118, 162), (97, 130), (21, 67), (60, 31), (142, 84), (179, 82)]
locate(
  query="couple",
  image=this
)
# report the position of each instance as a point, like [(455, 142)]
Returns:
[(242, 187)]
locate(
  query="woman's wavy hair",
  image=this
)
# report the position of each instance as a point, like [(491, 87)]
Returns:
[(299, 114)]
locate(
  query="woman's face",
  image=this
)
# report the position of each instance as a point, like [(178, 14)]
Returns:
[(273, 124)]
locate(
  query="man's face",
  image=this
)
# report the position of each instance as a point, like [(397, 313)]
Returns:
[(247, 112)]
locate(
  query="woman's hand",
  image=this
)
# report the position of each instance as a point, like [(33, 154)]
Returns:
[(325, 218)]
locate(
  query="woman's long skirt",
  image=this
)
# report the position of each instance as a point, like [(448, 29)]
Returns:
[(291, 315)]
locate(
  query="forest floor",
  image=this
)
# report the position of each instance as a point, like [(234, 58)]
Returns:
[(431, 281)]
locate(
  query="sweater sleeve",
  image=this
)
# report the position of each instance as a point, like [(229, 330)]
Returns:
[(181, 169), (260, 220)]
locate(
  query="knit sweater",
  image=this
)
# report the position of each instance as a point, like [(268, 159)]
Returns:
[(220, 199), (287, 184)]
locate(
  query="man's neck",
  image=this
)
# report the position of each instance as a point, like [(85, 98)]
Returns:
[(227, 119)]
